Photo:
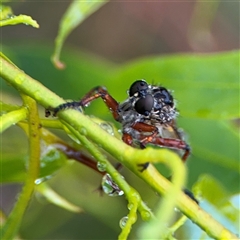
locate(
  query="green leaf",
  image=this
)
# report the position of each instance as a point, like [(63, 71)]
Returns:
[(215, 150), (84, 70), (214, 192), (207, 89), (56, 199), (8, 18), (13, 168), (205, 86), (51, 161), (14, 164), (76, 13), (5, 11)]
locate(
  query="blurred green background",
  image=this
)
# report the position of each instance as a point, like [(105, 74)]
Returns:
[(180, 45)]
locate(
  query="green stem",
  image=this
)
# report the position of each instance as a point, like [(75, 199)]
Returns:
[(126, 155), (51, 123), (11, 118), (131, 194), (177, 224), (157, 227), (12, 224), (131, 218)]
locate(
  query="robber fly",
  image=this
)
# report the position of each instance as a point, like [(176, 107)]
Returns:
[(147, 116)]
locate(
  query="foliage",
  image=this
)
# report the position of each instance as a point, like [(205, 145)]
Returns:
[(207, 88)]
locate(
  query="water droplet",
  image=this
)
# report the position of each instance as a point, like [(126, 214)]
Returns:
[(43, 179), (146, 215), (83, 131), (130, 206), (19, 78), (101, 166), (110, 187), (87, 104), (123, 222), (11, 15), (38, 181), (107, 127), (176, 209)]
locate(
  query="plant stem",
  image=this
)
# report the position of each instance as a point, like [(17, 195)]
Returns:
[(131, 194), (11, 118), (12, 224)]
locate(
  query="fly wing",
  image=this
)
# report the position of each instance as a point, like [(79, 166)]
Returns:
[(171, 131)]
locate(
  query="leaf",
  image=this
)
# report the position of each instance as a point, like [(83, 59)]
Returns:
[(8, 18), (215, 151), (5, 11), (13, 168), (207, 90), (56, 199), (205, 86), (13, 164), (218, 201), (84, 71), (76, 13)]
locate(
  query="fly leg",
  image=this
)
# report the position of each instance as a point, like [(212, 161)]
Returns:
[(97, 92)]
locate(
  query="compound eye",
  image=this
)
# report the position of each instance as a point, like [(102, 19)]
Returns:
[(168, 99), (144, 105), (138, 86)]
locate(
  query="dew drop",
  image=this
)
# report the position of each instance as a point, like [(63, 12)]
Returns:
[(11, 16), (176, 209), (107, 127), (87, 104), (40, 180), (146, 215), (130, 206), (83, 131), (123, 222), (101, 166), (19, 78), (110, 187)]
